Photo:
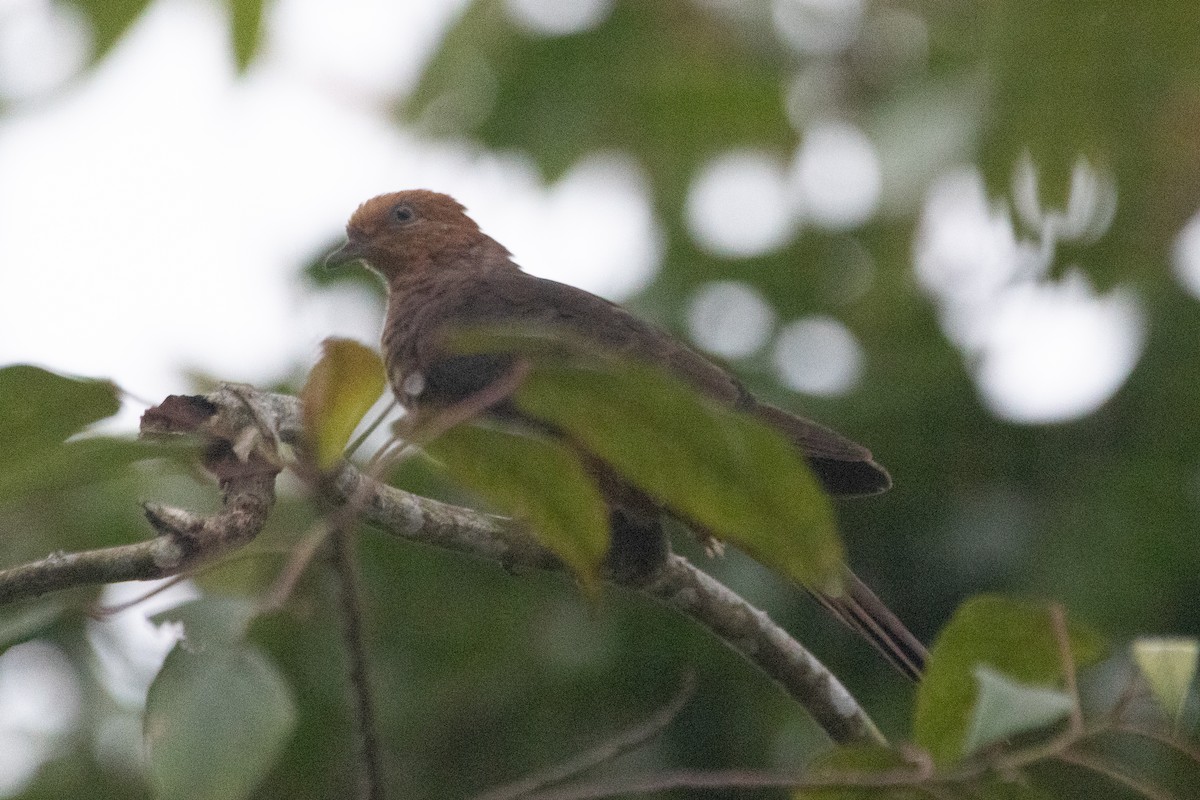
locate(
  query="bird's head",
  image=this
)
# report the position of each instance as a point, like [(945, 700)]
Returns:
[(415, 231)]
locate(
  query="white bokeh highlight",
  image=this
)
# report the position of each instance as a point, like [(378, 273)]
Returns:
[(595, 228), (42, 44), (127, 652), (368, 50), (41, 699), (1042, 350), (737, 206), (1090, 207), (730, 319), (836, 177), (1057, 351), (818, 355), (558, 17), (1186, 256), (818, 27)]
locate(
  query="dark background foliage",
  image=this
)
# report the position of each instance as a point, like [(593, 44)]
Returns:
[(483, 676)]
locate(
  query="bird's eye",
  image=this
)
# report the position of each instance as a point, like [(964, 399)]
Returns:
[(403, 213)]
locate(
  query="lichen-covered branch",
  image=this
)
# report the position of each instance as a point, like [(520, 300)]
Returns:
[(749, 631), (245, 430)]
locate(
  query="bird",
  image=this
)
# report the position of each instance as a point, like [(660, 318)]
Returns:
[(443, 272)]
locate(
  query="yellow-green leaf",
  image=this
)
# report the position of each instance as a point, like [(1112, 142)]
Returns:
[(109, 20), (535, 480), (1169, 664), (341, 388), (245, 30)]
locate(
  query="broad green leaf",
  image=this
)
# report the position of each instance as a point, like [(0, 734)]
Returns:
[(539, 481), (1006, 707), (719, 469), (210, 621), (215, 722), (109, 19), (40, 409), (79, 463), (28, 620), (341, 388), (1169, 664), (1012, 637), (245, 30)]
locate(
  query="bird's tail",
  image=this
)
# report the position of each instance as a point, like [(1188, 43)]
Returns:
[(861, 610)]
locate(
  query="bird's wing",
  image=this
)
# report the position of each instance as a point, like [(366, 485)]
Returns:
[(518, 298), (522, 299)]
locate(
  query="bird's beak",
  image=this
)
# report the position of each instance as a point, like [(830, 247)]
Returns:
[(352, 250)]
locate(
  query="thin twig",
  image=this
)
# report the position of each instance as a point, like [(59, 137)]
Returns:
[(1058, 623), (342, 523), (98, 612), (352, 448), (473, 405), (603, 753), (299, 558), (1133, 688), (345, 565)]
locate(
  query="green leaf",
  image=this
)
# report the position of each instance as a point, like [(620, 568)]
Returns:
[(1169, 664), (341, 388), (40, 409), (215, 722), (245, 30), (539, 481), (1013, 637), (210, 621), (717, 468), (1006, 707), (109, 20), (721, 470), (29, 620), (79, 463)]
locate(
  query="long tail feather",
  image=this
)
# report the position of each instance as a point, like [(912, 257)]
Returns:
[(861, 610)]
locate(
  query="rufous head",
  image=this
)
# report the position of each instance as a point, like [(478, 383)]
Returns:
[(416, 231)]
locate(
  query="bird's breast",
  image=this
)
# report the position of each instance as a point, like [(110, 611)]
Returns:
[(408, 334)]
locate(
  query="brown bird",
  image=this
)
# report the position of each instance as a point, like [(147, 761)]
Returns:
[(443, 272)]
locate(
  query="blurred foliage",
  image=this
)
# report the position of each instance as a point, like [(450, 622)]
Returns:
[(484, 677)]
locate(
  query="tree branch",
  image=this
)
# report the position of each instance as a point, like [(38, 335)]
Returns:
[(246, 428)]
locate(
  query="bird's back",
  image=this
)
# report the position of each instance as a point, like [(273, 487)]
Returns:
[(423, 309)]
